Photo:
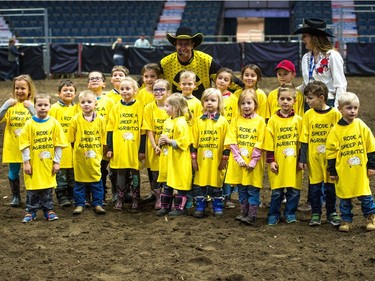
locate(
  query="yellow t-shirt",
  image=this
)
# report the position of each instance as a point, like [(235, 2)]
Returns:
[(153, 120), (64, 114), (230, 107), (315, 129), (178, 170), (247, 134), (41, 137), (114, 95), (282, 136), (208, 136), (349, 145), (273, 105), (125, 121), (144, 96), (88, 138), (262, 101), (15, 118)]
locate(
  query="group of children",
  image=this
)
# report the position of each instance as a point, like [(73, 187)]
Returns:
[(195, 151)]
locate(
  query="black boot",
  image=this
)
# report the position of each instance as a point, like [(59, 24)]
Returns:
[(15, 188), (165, 204)]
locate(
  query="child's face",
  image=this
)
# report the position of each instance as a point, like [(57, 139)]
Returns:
[(42, 107), (21, 90), (169, 109), (210, 104), (127, 91), (149, 77), (223, 80), (96, 83), (286, 102), (284, 76), (67, 94), (187, 86), (160, 91), (315, 101), (350, 112), (116, 78), (247, 106), (250, 79), (88, 104)]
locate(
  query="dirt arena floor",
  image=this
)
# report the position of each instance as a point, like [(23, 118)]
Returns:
[(142, 246)]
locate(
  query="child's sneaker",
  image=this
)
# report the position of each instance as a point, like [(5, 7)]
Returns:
[(334, 219), (29, 217), (315, 220), (370, 222), (345, 226), (273, 221), (229, 204), (50, 216), (291, 219)]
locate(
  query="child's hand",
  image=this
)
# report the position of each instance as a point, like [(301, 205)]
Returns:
[(141, 156), (157, 150), (223, 164), (370, 172), (55, 168), (27, 168), (163, 140), (302, 166), (274, 167), (109, 154), (249, 168), (11, 102), (194, 162), (27, 103)]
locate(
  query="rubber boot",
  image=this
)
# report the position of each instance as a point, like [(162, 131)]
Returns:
[(179, 206), (252, 215), (244, 210), (165, 200), (200, 206), (120, 200), (157, 193), (15, 189), (217, 206)]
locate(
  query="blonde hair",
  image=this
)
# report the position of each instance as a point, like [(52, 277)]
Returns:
[(290, 88), (133, 83), (121, 68), (168, 87), (85, 94), (212, 91), (348, 98), (30, 83), (248, 93), (180, 105), (186, 74), (42, 96)]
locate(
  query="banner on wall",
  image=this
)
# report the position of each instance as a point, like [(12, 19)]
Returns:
[(64, 58), (360, 58)]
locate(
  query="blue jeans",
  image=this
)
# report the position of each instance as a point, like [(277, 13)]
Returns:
[(249, 193), (367, 207), (96, 189), (227, 190), (39, 199), (14, 171), (316, 191), (207, 190), (292, 199)]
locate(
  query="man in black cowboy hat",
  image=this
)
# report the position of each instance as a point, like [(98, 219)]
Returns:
[(186, 58)]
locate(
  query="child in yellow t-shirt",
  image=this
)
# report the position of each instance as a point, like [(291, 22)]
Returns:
[(41, 142), (149, 73), (126, 142), (87, 135), (63, 111), (281, 143), (15, 112), (118, 72)]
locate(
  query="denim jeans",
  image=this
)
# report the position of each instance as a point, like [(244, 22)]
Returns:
[(96, 189), (367, 207), (14, 171), (292, 199), (207, 190), (227, 190), (249, 193), (316, 191)]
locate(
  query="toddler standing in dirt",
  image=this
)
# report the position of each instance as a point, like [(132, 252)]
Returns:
[(351, 161), (15, 112), (41, 142)]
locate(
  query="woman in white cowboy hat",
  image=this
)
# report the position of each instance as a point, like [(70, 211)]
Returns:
[(323, 62), (186, 58)]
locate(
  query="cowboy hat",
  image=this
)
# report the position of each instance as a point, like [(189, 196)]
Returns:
[(184, 32), (314, 26)]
